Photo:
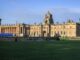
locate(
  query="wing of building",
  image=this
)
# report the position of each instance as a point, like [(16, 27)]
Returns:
[(46, 29)]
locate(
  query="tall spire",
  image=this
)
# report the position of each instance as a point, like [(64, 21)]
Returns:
[(49, 13), (48, 18)]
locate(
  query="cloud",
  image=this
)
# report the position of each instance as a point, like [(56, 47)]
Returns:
[(63, 14), (74, 10), (22, 15), (31, 16)]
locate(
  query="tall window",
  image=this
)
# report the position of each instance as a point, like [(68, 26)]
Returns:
[(61, 32), (21, 30), (34, 33), (64, 32), (64, 27)]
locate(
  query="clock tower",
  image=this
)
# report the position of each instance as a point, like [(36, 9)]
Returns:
[(48, 18)]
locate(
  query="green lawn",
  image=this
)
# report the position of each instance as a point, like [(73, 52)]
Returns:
[(40, 50)]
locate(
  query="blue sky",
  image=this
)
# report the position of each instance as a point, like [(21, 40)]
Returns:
[(33, 11)]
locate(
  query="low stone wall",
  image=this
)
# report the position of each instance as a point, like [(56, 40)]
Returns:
[(74, 38), (70, 38), (35, 38), (7, 39), (25, 38)]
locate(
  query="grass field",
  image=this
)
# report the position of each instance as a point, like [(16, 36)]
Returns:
[(40, 50)]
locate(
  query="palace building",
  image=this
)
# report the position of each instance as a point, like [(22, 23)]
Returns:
[(47, 29)]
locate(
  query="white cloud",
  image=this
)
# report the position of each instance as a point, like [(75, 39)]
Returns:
[(63, 14), (31, 16), (74, 10)]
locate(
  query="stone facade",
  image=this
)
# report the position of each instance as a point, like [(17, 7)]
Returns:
[(46, 29)]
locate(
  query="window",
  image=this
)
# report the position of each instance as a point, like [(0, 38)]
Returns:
[(58, 32), (64, 32), (21, 30), (54, 27), (34, 33), (63, 26), (61, 32), (52, 32), (70, 27)]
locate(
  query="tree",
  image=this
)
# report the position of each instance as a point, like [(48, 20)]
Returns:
[(57, 36)]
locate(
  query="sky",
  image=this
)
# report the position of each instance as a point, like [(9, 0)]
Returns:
[(33, 11)]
